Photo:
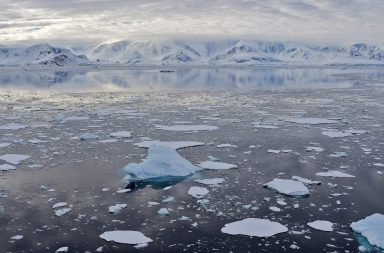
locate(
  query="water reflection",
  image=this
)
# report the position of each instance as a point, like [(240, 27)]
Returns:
[(189, 79)]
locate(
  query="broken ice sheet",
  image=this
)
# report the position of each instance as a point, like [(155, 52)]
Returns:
[(254, 227)]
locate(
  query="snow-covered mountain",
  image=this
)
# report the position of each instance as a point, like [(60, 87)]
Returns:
[(233, 52), (41, 54)]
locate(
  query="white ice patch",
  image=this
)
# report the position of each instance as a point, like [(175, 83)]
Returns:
[(335, 134), (316, 149), (37, 141), (322, 225), (126, 237), (211, 181), (264, 125), (226, 145), (305, 181), (62, 211), (333, 173), (311, 121), (288, 187), (59, 204), (6, 167), (170, 144), (17, 237), (163, 211), (254, 227), (210, 165), (88, 136), (14, 158), (186, 128), (371, 227), (198, 192), (121, 134), (116, 208), (13, 126), (62, 249), (161, 162), (5, 144)]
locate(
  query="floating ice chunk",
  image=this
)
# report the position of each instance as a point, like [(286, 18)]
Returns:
[(121, 134), (6, 167), (354, 131), (213, 159), (14, 158), (316, 149), (17, 237), (226, 145), (163, 211), (198, 192), (13, 126), (62, 249), (335, 134), (168, 199), (126, 237), (161, 162), (62, 211), (305, 181), (116, 208), (185, 128), (274, 151), (170, 144), (264, 125), (378, 164), (371, 227), (254, 227), (322, 225), (37, 141), (73, 118), (311, 121), (333, 173), (109, 141), (338, 154), (274, 208), (123, 190), (59, 204), (5, 144), (288, 187), (211, 181), (88, 136), (210, 165)]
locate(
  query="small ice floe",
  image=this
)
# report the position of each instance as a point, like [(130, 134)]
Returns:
[(59, 204), (371, 227), (71, 118), (274, 208), (62, 211), (210, 165), (16, 237), (116, 208), (108, 141), (6, 167), (354, 131), (121, 134), (274, 151), (316, 149), (213, 159), (311, 121), (306, 181), (168, 199), (161, 162), (264, 125), (288, 187), (170, 144), (37, 141), (333, 173), (254, 227), (198, 192), (62, 249), (13, 126), (163, 211), (167, 188), (152, 203), (226, 145), (335, 134), (186, 128), (126, 237), (378, 164), (322, 225), (338, 154), (88, 136), (211, 181), (5, 144), (14, 158), (123, 190)]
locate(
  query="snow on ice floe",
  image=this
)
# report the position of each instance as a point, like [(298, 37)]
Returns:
[(13, 126), (161, 162), (6, 167), (14, 158), (116, 208), (288, 187), (198, 192), (185, 128), (371, 227), (211, 181), (305, 180), (126, 237), (335, 134), (170, 144), (210, 165), (254, 227), (121, 134), (311, 121), (322, 225), (333, 173)]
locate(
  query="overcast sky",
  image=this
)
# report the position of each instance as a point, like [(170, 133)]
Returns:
[(106, 20)]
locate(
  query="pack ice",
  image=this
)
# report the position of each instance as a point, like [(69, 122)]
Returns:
[(372, 227)]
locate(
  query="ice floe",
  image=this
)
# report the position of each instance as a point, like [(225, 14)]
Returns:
[(62, 249), (121, 134), (62, 211), (322, 225), (305, 181), (333, 173), (311, 121), (211, 181), (335, 134), (14, 158), (170, 144), (226, 145), (13, 126), (254, 227), (161, 162), (163, 211), (316, 149), (88, 136), (59, 204), (371, 227), (126, 237), (198, 192), (288, 187), (116, 208), (5, 144), (6, 167), (210, 165), (185, 128)]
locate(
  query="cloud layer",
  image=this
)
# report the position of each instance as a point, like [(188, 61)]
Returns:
[(103, 20)]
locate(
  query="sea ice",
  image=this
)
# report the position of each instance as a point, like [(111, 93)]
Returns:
[(62, 211), (316, 149), (254, 227), (12, 126), (185, 128), (121, 134), (311, 121), (336, 134), (161, 162), (116, 208), (198, 192), (17, 237), (226, 145), (14, 158), (333, 173), (5, 144), (163, 211), (62, 249), (88, 136), (170, 144), (305, 181), (126, 237), (211, 181), (288, 187), (371, 227), (210, 165), (6, 167), (59, 204), (322, 225)]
